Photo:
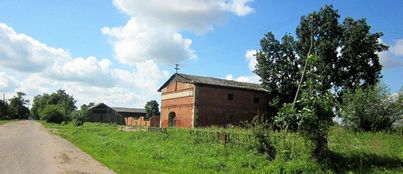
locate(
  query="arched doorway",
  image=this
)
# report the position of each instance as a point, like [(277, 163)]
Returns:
[(171, 119)]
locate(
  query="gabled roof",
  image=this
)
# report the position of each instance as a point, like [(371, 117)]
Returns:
[(131, 110), (212, 81), (121, 109), (99, 104)]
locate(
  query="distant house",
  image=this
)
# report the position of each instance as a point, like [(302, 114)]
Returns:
[(194, 101), (105, 114)]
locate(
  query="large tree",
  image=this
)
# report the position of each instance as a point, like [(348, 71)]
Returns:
[(346, 56), (59, 98), (151, 108), (18, 107)]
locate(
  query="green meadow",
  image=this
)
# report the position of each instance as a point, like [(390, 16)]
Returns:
[(178, 151)]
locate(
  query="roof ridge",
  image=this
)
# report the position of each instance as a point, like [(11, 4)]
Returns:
[(218, 78), (216, 82)]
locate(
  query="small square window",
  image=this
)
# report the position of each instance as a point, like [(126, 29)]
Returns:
[(230, 96), (256, 99)]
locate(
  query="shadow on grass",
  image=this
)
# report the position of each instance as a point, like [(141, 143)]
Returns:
[(362, 162)]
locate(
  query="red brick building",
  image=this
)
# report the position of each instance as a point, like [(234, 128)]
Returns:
[(194, 101)]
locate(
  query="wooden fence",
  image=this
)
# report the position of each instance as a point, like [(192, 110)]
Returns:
[(237, 138), (130, 121)]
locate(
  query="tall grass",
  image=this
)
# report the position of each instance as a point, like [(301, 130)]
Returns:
[(180, 152)]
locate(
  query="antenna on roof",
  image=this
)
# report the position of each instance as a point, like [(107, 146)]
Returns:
[(176, 67)]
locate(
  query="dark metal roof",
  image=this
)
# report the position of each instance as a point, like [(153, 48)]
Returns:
[(99, 104), (213, 81), (121, 109), (130, 110)]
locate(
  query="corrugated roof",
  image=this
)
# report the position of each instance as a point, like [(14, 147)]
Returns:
[(215, 82), (96, 105), (121, 109), (131, 110)]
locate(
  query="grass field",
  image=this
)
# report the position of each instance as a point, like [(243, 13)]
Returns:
[(180, 152), (4, 121)]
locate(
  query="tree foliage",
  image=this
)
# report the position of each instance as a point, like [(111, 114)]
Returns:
[(260, 132), (370, 109), (80, 116), (346, 56), (18, 107), (59, 98), (278, 67), (4, 115), (312, 113), (151, 108), (52, 113)]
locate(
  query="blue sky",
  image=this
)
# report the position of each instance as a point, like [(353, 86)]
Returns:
[(119, 52)]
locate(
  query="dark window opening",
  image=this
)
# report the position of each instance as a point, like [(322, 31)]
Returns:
[(171, 119), (230, 96), (256, 100)]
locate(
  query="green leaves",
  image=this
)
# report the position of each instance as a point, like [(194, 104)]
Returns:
[(151, 108), (59, 98), (344, 54), (17, 108), (312, 59), (370, 109)]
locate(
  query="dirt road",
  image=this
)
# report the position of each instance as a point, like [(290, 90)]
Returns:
[(28, 147)]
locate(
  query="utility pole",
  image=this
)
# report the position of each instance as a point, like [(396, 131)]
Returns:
[(65, 108)]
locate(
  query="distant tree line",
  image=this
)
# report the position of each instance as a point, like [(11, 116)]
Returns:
[(16, 108), (56, 107)]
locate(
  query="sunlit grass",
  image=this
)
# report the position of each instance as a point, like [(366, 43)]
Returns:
[(180, 152), (4, 121)]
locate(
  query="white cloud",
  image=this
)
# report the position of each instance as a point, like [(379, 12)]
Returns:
[(239, 7), (392, 58), (152, 37), (251, 79), (7, 82), (154, 29), (389, 61), (23, 53), (250, 56), (137, 42), (88, 79), (88, 70), (193, 15), (397, 48), (147, 76)]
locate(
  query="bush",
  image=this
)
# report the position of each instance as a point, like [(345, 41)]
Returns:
[(286, 118), (312, 117), (260, 131), (79, 117), (52, 114), (370, 109)]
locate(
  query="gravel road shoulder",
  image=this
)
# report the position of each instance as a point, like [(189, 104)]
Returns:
[(28, 147)]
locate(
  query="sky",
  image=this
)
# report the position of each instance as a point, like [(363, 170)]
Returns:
[(120, 52)]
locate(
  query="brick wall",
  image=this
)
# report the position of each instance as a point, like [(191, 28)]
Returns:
[(214, 108), (155, 121), (131, 121), (177, 97)]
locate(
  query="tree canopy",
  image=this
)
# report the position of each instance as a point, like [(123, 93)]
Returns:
[(346, 56), (151, 108), (60, 98), (18, 107)]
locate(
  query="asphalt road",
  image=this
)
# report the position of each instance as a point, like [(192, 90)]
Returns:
[(27, 147)]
